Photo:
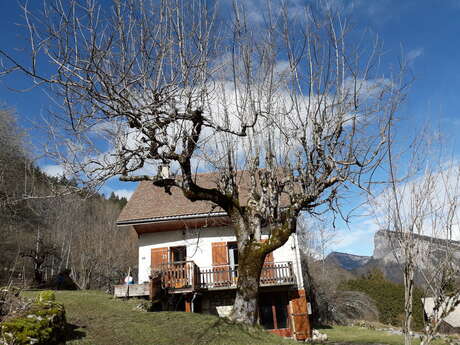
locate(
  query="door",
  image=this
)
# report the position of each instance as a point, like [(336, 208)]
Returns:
[(177, 272), (178, 254), (299, 315), (273, 310)]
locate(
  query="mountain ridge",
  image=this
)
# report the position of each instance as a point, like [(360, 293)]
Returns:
[(387, 256)]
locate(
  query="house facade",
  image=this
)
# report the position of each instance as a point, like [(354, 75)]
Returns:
[(191, 246)]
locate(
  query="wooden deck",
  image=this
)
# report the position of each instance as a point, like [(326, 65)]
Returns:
[(186, 276), (132, 290)]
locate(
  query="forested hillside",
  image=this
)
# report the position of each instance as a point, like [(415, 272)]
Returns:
[(49, 226)]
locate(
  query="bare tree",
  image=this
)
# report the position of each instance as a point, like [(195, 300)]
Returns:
[(286, 100), (420, 211)]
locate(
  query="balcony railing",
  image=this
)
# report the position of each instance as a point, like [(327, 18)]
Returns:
[(179, 275), (187, 275), (279, 273)]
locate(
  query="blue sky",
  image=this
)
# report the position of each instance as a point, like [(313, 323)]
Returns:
[(426, 32)]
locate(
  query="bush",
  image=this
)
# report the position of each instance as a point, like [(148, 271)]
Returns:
[(46, 296), (388, 297), (42, 324)]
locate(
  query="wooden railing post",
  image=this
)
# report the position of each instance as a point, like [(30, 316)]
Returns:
[(291, 272)]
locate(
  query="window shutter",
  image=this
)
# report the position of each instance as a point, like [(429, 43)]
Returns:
[(219, 253), (158, 256), (220, 263), (269, 258), (268, 273)]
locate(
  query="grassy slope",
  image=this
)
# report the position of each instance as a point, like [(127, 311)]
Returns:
[(359, 335), (362, 336), (101, 320), (98, 319)]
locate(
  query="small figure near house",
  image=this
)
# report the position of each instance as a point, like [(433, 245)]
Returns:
[(129, 279)]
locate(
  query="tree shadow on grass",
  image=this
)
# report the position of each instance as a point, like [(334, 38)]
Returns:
[(322, 326), (72, 332), (206, 337)]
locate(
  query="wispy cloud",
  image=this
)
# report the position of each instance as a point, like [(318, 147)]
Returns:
[(413, 54), (53, 170), (358, 239), (426, 204), (123, 193)]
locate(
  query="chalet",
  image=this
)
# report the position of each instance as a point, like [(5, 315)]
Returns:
[(451, 323), (193, 247)]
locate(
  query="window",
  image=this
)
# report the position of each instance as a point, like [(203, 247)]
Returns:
[(178, 254), (273, 310), (233, 259)]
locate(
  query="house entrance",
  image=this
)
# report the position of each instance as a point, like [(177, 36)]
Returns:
[(273, 310), (178, 254)]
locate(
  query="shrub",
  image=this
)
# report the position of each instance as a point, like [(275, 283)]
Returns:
[(46, 296), (42, 324), (388, 297)]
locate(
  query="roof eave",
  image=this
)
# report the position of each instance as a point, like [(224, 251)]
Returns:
[(169, 218)]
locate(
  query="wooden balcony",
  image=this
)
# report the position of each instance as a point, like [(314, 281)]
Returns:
[(179, 276), (226, 277), (187, 276)]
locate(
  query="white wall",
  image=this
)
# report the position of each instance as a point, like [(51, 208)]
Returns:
[(199, 248)]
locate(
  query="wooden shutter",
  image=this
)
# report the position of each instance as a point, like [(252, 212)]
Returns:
[(158, 256), (269, 258), (268, 275), (299, 315), (220, 263), (219, 253)]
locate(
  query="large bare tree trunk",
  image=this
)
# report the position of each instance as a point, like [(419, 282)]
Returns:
[(252, 251), (245, 306), (247, 291)]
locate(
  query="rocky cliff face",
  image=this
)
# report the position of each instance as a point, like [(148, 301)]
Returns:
[(383, 246), (430, 249), (387, 256)]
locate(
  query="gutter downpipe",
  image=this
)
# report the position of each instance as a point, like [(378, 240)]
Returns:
[(191, 302), (300, 282)]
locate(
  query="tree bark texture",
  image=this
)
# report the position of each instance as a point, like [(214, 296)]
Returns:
[(247, 291), (408, 298)]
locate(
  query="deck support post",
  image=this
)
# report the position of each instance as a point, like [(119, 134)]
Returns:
[(188, 303)]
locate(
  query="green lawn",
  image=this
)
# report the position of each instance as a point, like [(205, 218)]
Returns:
[(360, 335), (98, 319)]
